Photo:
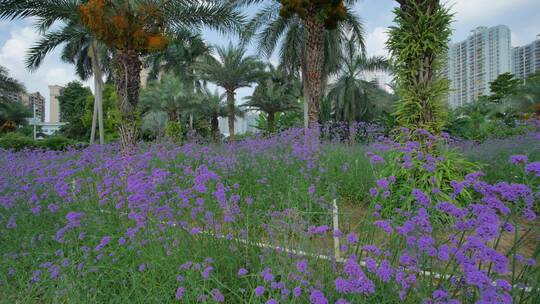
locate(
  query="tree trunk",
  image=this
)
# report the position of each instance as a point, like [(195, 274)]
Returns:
[(271, 119), (230, 110), (314, 48), (127, 67), (98, 88), (94, 122), (352, 132), (304, 100), (214, 123), (128, 137)]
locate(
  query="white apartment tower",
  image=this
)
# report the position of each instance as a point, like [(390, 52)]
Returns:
[(526, 59), (475, 62)]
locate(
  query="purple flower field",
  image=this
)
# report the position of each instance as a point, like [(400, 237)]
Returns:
[(252, 222)]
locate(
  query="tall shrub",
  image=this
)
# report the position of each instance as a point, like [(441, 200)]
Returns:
[(418, 44)]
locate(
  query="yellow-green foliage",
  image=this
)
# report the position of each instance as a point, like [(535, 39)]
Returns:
[(418, 45)]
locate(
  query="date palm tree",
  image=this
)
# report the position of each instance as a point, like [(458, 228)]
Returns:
[(349, 95), (168, 94), (130, 29), (183, 52), (79, 45), (212, 105), (231, 70), (271, 98), (311, 40)]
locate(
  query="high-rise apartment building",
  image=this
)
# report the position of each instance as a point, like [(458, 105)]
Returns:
[(36, 103), (54, 104), (526, 59), (474, 63), (10, 96)]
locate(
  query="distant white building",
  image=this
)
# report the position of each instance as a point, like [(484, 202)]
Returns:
[(477, 61), (383, 79), (51, 128), (526, 59), (241, 125)]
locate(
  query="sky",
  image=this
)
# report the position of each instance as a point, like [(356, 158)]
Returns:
[(522, 16)]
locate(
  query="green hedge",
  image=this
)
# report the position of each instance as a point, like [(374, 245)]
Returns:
[(17, 142)]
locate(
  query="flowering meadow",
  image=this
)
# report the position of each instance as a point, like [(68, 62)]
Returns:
[(252, 221)]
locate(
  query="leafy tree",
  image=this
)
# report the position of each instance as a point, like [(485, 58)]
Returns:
[(503, 86), (418, 44), (526, 99), (350, 95), (155, 123), (312, 33), (111, 112), (231, 70), (8, 84), (73, 104), (13, 114), (135, 28)]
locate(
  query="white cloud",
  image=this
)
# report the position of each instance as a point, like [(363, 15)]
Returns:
[(52, 70), (376, 42), (58, 76), (476, 10)]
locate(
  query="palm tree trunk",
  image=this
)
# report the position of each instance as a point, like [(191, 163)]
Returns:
[(128, 66), (314, 48), (94, 122), (98, 88), (214, 123), (270, 121), (230, 110), (304, 100), (352, 132)]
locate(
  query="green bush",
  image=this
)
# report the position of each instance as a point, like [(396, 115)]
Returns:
[(173, 131), (419, 162), (56, 143), (16, 141)]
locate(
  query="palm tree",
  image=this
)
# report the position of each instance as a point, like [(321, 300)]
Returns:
[(183, 51), (271, 98), (170, 95), (8, 84), (179, 58), (349, 95), (136, 28), (231, 70), (275, 93), (79, 45), (212, 105), (311, 41), (13, 114), (130, 29)]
